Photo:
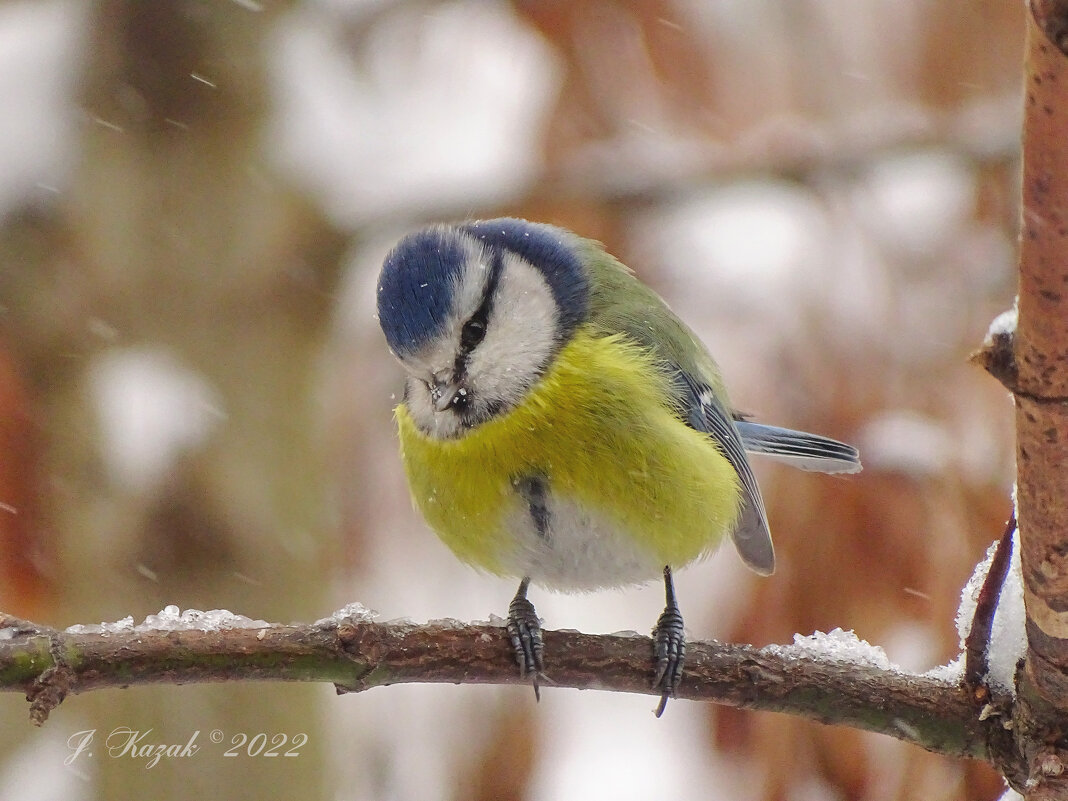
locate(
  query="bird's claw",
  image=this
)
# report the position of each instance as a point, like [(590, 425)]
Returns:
[(524, 631), (669, 649)]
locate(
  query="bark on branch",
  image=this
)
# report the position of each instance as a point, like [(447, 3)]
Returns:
[(357, 654)]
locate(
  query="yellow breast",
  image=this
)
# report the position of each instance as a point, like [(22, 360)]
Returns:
[(599, 429)]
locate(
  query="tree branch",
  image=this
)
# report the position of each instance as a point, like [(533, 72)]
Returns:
[(357, 654), (977, 643)]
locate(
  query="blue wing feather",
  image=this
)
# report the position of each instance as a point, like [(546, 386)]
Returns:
[(799, 448)]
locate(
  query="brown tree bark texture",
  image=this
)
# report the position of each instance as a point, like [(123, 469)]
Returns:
[(1041, 394)]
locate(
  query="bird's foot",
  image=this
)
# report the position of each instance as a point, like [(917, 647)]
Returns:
[(524, 631), (669, 647)]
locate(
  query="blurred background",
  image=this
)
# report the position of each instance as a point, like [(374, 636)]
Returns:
[(195, 399)]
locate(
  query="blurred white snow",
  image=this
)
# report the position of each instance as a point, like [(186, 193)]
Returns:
[(40, 45), (443, 110), (151, 409)]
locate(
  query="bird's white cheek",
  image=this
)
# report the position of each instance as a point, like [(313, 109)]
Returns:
[(521, 334), (513, 355), (502, 374)]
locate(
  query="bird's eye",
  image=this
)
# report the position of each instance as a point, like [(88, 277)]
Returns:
[(473, 332)]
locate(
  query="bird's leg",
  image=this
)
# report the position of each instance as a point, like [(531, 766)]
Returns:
[(669, 646), (524, 630)]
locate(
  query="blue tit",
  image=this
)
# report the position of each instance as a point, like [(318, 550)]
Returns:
[(562, 426)]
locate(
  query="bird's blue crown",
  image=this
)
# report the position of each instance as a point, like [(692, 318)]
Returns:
[(416, 287), (420, 275)]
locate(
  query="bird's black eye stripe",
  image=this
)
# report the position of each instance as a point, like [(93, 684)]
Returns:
[(473, 332)]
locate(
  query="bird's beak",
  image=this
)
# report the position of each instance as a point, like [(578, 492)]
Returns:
[(443, 393)]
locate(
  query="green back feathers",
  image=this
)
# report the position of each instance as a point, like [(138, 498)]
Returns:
[(619, 302)]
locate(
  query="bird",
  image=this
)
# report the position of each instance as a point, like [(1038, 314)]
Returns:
[(562, 426)]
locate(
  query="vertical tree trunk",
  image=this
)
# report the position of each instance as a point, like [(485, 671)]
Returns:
[(1041, 393)]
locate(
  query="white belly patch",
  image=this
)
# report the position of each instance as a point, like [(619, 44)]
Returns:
[(575, 549)]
